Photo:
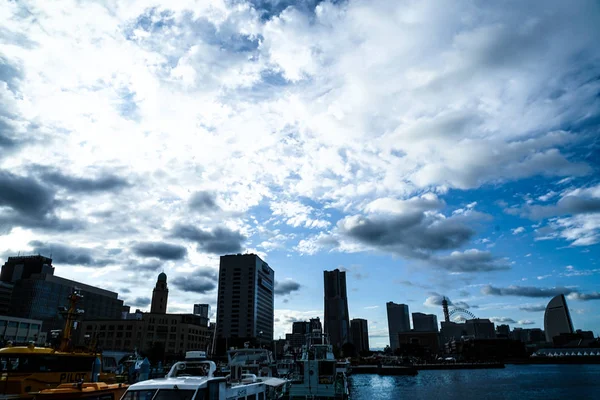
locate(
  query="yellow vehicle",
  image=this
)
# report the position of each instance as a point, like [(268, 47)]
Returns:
[(26, 370), (29, 369), (92, 391)]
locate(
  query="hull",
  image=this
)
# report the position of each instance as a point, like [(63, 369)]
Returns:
[(84, 391)]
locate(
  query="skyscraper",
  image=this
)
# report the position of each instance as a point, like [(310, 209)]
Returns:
[(202, 310), (424, 322), (360, 334), (398, 321), (337, 321), (160, 295), (557, 318), (245, 301)]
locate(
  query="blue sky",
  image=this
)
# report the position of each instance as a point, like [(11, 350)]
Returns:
[(428, 148)]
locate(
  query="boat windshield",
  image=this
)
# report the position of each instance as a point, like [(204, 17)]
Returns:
[(163, 394), (45, 363), (191, 369)]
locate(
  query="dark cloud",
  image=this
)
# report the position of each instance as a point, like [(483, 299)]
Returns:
[(30, 204), (140, 302), (411, 284), (291, 320), (7, 141), (70, 255), (203, 202), (161, 250), (532, 291), (463, 293), (573, 204), (526, 291), (201, 282), (414, 232), (471, 261), (76, 184), (418, 234), (125, 290), (503, 320), (220, 240), (10, 74), (286, 287), (534, 308), (25, 195), (145, 267)]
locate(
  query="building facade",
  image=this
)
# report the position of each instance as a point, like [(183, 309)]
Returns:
[(20, 267), (360, 334), (202, 310), (337, 320), (178, 333), (557, 318), (21, 331), (245, 302), (398, 321), (160, 295), (425, 322), (41, 295)]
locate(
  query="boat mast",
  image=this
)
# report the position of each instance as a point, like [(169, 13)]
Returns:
[(71, 315)]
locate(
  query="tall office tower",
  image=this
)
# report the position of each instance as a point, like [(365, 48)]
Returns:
[(245, 301), (398, 321), (17, 268), (202, 310), (557, 318), (337, 321), (360, 334), (22, 267), (424, 322), (160, 295)]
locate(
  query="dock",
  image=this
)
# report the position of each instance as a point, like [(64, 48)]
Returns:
[(384, 370), (414, 369), (486, 365)]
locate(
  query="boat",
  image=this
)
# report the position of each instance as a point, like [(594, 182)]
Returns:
[(286, 365), (316, 374), (83, 390), (27, 370), (256, 365), (195, 380), (259, 362)]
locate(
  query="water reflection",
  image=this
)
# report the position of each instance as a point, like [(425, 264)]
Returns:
[(515, 382)]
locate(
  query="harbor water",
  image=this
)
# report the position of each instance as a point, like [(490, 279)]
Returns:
[(515, 382)]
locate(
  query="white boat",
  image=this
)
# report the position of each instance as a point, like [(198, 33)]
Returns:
[(257, 365), (259, 362), (317, 375), (195, 380), (286, 365)]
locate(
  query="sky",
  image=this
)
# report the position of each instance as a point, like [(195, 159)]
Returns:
[(428, 148)]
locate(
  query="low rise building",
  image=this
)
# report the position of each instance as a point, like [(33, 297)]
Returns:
[(21, 330)]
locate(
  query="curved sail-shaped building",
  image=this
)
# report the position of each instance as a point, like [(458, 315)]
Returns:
[(557, 318)]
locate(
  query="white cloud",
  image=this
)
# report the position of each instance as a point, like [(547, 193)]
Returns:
[(518, 230), (369, 108)]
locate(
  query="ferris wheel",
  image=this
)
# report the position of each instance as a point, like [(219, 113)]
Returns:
[(461, 314)]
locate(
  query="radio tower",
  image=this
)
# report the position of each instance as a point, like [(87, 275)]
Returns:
[(445, 307)]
